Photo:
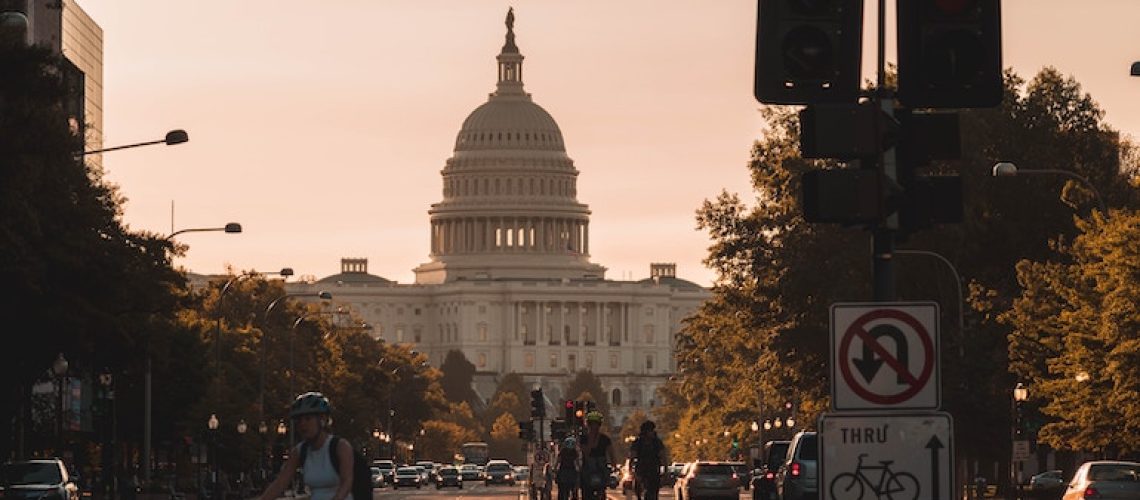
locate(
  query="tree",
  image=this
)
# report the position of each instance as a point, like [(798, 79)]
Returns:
[(442, 440), (458, 374), (511, 396), (1074, 339), (504, 442), (631, 428), (78, 281)]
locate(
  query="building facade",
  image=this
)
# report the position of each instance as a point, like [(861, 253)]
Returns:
[(509, 282)]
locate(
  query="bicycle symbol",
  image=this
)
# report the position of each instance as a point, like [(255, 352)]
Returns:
[(891, 485)]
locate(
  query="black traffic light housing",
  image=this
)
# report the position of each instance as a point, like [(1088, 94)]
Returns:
[(950, 53), (808, 51), (526, 430), (568, 413), (537, 404), (558, 429)]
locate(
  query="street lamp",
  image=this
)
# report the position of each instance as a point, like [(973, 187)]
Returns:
[(1020, 394), (59, 368), (1136, 68), (1007, 169), (177, 136), (212, 424), (957, 286)]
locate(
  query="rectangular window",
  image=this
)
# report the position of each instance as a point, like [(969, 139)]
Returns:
[(647, 330), (482, 332), (482, 309), (590, 361), (528, 359), (613, 360), (417, 334), (417, 311), (399, 333), (554, 360), (649, 362), (572, 362), (481, 360)]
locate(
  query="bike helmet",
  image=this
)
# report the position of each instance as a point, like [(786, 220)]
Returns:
[(568, 443), (594, 416), (310, 403)]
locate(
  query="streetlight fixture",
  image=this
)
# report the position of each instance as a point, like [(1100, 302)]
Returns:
[(1020, 394), (59, 369), (1136, 68), (176, 136), (1008, 169), (957, 286), (230, 227), (213, 424), (241, 427)]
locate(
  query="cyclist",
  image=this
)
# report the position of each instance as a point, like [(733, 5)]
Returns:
[(310, 413), (597, 458), (648, 456), (567, 472)]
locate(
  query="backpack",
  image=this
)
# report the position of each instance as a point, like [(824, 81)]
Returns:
[(648, 454), (361, 471)]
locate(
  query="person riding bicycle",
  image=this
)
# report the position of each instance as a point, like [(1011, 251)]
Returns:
[(311, 413), (647, 453), (566, 473), (597, 458)]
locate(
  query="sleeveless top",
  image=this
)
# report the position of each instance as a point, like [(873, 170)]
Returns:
[(319, 474)]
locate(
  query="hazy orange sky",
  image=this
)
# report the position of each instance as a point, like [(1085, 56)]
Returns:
[(322, 126)]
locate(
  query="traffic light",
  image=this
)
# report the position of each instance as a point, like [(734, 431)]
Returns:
[(526, 430), (557, 429), (808, 51), (568, 413), (580, 413), (949, 53), (537, 404), (926, 200)]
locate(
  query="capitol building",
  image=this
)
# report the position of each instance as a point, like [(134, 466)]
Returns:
[(509, 281)]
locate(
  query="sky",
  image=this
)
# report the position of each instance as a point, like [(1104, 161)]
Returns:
[(322, 127)]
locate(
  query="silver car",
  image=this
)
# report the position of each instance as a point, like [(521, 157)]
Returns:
[(708, 480), (1105, 479), (45, 479)]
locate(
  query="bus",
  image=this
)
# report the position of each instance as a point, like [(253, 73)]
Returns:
[(475, 453)]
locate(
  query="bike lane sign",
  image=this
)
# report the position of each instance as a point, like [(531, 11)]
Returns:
[(900, 456)]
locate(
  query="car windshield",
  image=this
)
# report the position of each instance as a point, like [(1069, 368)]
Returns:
[(808, 449), (448, 472), (777, 453), (714, 470), (498, 468), (407, 470), (1114, 472), (30, 473)]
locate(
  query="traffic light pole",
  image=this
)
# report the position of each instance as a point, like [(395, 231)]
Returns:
[(883, 236)]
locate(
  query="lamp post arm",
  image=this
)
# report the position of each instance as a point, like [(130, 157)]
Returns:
[(957, 286), (194, 230), (116, 148), (1075, 176)]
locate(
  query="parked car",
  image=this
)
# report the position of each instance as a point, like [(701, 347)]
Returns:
[(1047, 485), (45, 479), (1105, 479), (448, 476), (499, 472), (387, 468), (408, 476), (707, 479), (764, 478), (470, 472), (796, 479)]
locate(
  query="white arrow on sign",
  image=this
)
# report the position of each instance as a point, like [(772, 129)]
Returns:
[(903, 456)]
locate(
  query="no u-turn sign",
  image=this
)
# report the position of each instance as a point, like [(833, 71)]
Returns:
[(885, 356)]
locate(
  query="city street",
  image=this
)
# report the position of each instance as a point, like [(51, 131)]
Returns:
[(479, 491)]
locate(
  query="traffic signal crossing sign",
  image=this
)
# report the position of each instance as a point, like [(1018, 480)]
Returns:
[(537, 404), (526, 430)]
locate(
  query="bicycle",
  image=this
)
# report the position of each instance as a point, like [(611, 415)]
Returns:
[(891, 485)]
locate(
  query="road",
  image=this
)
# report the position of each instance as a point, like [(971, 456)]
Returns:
[(477, 491)]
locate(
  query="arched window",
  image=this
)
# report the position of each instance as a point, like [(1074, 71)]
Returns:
[(616, 397)]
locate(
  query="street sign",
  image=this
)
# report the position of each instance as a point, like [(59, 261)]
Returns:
[(904, 455), (884, 355)]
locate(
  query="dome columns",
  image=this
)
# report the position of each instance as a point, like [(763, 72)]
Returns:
[(510, 234)]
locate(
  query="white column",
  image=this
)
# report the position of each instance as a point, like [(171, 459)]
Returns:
[(586, 238)]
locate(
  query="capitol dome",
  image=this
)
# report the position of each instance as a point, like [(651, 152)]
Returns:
[(509, 122)]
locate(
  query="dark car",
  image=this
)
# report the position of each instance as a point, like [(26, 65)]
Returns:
[(37, 480), (448, 476), (499, 473), (470, 472), (1047, 485), (764, 478)]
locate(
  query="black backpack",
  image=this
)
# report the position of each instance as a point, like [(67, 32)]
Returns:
[(361, 470), (648, 454)]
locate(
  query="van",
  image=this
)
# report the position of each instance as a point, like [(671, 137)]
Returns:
[(797, 478)]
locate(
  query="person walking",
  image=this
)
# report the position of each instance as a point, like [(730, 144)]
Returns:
[(597, 458), (566, 470), (648, 456), (310, 413)]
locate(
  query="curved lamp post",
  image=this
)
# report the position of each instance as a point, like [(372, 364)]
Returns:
[(176, 136), (957, 286), (323, 294), (1007, 169)]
